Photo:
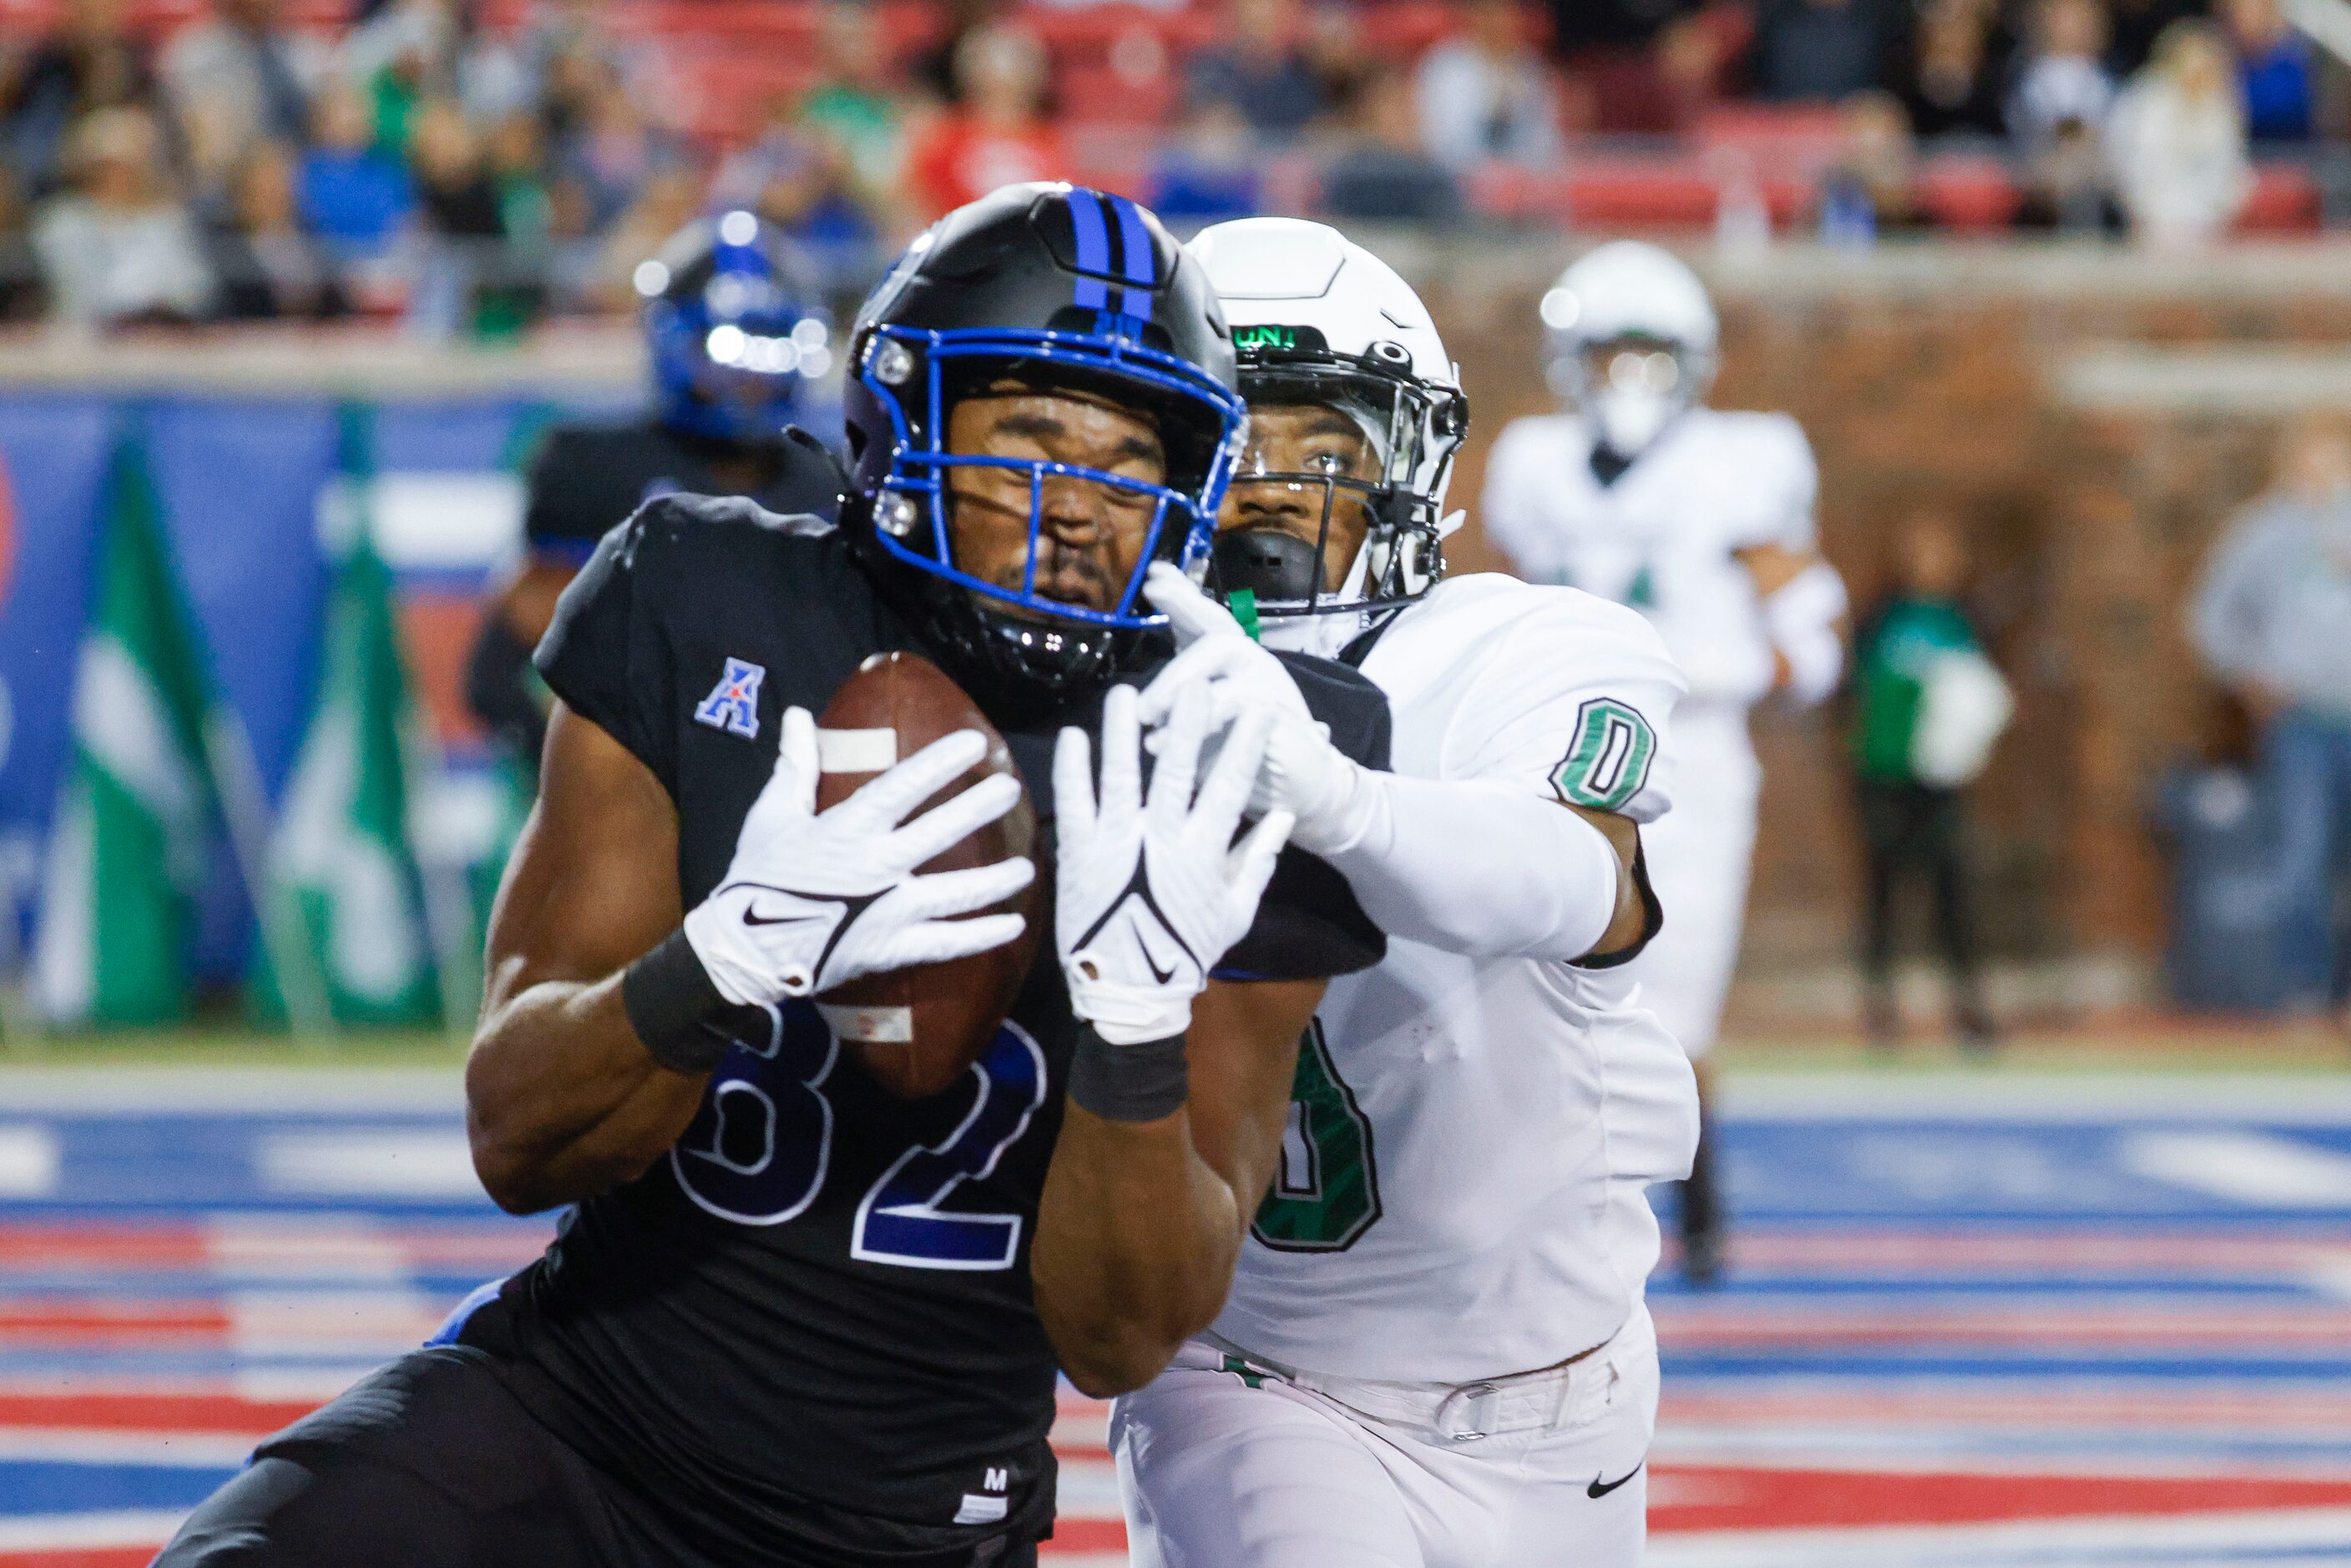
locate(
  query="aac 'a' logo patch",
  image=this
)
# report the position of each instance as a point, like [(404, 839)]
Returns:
[(733, 704)]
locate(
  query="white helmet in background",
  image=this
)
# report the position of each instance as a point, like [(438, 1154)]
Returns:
[(1631, 339), (1319, 320)]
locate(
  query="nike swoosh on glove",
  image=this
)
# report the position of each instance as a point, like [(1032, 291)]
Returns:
[(812, 900), (1152, 892), (1303, 774)]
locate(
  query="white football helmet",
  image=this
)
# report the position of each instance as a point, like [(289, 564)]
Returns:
[(1318, 320), (1631, 339)]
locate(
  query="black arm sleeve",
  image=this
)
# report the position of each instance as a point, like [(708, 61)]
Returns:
[(1308, 924), (606, 653)]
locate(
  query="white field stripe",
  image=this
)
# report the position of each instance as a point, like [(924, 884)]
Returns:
[(1120, 1560), (1088, 1489), (311, 1324), (28, 1162), (2311, 1099), (97, 1446), (120, 718), (78, 1532), (364, 1163), (332, 1249), (326, 1090), (2043, 1543), (2248, 1167)]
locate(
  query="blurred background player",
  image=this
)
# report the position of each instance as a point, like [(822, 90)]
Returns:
[(736, 331), (1426, 1357), (1926, 706), (1702, 519)]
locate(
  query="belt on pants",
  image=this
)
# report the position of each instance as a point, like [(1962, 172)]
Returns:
[(1564, 1394)]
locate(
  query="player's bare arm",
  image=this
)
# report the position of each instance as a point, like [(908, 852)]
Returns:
[(1122, 1275), (569, 1091), (562, 1100)]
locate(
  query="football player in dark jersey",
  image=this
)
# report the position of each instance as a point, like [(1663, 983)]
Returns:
[(791, 1319), (735, 331)]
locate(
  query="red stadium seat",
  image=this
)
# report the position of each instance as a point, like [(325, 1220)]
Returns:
[(2284, 201), (1969, 193)]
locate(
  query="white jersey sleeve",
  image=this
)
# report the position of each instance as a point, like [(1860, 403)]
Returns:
[(1576, 705), (1771, 484)]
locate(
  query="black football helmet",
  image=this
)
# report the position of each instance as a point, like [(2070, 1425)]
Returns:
[(1049, 286)]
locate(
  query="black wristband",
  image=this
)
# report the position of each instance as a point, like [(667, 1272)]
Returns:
[(676, 1010), (1139, 1083)]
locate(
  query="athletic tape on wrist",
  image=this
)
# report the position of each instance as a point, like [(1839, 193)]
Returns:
[(676, 1011), (1129, 1082)]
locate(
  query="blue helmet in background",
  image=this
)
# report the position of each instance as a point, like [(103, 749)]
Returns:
[(735, 326)]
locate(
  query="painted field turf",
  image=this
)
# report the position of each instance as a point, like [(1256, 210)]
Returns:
[(2053, 1322)]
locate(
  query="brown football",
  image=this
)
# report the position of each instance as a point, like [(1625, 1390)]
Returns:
[(916, 1030)]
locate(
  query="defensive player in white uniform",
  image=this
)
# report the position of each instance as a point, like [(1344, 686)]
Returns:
[(1702, 519), (1435, 1353)]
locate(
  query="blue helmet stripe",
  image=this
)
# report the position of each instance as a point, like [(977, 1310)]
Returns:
[(1135, 250), (1094, 248)]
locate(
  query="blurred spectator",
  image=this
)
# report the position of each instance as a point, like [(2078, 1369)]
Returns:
[(2176, 137), (2274, 70), (516, 156), (670, 202), (88, 63), (1913, 653), (1484, 95), (2133, 25), (269, 267), (120, 248), (351, 193), (996, 134), (471, 280), (1870, 189), (1821, 51), (2063, 90), (2066, 184), (856, 105), (1209, 172), (242, 75), (2271, 617), (458, 197), (939, 71), (413, 49), (1953, 85), (569, 51), (607, 146), (800, 180), (1638, 65), (1378, 171), (1260, 67)]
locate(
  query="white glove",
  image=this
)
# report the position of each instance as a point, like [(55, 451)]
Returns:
[(1152, 893), (812, 900), (1303, 774)]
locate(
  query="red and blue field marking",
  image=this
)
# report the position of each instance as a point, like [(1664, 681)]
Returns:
[(1994, 1322)]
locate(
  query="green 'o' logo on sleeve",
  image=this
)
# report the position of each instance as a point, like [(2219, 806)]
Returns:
[(1610, 759)]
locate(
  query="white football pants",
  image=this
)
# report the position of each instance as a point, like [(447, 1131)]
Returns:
[(1699, 856), (1226, 1463)]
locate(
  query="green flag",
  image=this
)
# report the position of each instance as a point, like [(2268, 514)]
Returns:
[(342, 870), (136, 811)]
